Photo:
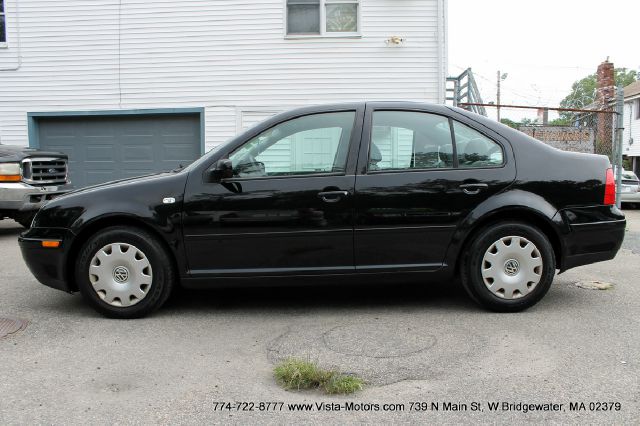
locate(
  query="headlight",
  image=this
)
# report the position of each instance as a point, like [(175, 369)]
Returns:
[(10, 172)]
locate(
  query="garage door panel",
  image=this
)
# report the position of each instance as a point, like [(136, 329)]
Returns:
[(179, 126), (109, 148), (100, 153), (177, 152), (61, 130), (137, 153), (95, 177)]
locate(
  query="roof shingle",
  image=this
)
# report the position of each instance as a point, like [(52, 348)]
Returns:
[(632, 90)]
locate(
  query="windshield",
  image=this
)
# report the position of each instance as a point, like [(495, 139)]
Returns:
[(204, 158)]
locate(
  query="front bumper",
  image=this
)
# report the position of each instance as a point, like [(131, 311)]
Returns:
[(22, 197), (594, 234), (47, 264)]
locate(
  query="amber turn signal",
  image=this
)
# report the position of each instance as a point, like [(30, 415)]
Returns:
[(51, 244), (9, 178)]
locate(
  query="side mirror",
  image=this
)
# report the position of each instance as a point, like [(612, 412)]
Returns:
[(223, 169)]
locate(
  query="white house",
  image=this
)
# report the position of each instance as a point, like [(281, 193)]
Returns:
[(631, 123), (138, 85)]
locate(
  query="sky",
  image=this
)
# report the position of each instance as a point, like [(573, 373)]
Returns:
[(543, 46)]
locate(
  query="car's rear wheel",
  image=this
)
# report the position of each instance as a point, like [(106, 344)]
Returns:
[(124, 272), (508, 267)]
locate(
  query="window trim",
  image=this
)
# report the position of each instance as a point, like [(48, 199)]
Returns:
[(323, 22), (3, 18), (637, 102), (455, 167), (295, 176)]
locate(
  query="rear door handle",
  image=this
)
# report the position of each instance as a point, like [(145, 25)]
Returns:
[(332, 196), (473, 188)]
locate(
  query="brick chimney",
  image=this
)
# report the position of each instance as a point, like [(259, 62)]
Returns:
[(605, 82), (605, 93)]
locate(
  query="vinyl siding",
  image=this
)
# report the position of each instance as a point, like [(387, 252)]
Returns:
[(631, 129), (229, 56)]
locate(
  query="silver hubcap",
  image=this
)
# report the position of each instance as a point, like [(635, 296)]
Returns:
[(512, 267), (120, 274)]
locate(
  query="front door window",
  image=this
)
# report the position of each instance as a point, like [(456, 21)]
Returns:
[(309, 145)]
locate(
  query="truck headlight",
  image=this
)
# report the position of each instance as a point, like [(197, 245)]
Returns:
[(10, 172)]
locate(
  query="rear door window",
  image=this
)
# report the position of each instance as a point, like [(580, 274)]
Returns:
[(410, 140)]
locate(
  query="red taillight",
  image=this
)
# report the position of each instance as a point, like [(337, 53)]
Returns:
[(610, 189)]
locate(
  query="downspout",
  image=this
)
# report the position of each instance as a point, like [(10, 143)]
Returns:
[(18, 46), (630, 140), (442, 57)]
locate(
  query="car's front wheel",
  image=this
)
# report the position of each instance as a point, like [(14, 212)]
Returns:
[(124, 272), (508, 267)]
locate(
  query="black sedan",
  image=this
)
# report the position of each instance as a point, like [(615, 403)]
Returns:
[(353, 193)]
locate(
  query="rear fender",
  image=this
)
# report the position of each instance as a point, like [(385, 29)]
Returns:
[(514, 204)]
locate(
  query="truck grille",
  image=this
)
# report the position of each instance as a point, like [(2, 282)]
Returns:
[(44, 170)]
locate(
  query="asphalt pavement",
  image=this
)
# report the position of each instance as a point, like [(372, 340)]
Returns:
[(412, 345)]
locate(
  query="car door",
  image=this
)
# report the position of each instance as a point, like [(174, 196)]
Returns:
[(419, 174), (287, 208)]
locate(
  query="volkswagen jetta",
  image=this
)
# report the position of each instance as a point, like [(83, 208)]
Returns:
[(353, 193)]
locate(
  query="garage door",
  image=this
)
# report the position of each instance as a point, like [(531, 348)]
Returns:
[(105, 148)]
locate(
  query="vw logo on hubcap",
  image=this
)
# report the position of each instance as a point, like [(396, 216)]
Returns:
[(120, 274), (511, 267)]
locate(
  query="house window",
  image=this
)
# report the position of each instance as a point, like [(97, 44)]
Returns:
[(637, 109), (3, 32), (322, 17)]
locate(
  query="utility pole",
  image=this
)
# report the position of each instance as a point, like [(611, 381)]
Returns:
[(498, 96), (501, 77), (619, 128)]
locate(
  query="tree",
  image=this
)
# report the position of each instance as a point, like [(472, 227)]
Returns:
[(516, 125), (560, 122), (583, 92), (509, 123)]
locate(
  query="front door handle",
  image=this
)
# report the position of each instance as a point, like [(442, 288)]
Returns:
[(332, 196), (473, 188)]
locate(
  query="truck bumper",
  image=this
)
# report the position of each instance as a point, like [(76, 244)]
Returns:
[(19, 197)]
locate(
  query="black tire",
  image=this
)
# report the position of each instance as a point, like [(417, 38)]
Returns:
[(472, 261), (163, 273)]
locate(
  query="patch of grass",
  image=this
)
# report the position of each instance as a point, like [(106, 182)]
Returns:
[(297, 374), (342, 384)]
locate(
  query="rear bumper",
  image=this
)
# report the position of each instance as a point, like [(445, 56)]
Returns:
[(47, 264), (630, 197), (594, 234)]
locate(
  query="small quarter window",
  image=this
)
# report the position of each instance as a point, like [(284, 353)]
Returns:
[(474, 149)]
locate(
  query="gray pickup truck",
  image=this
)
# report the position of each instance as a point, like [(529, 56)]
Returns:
[(28, 179)]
